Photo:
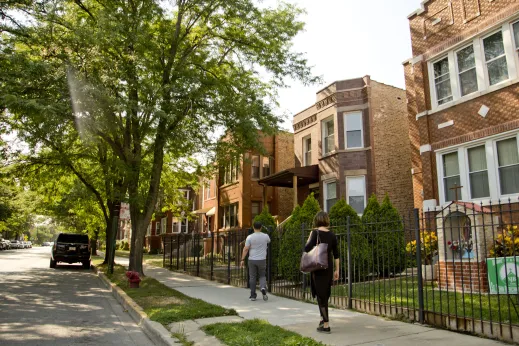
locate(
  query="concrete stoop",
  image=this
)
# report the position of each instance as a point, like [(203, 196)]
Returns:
[(191, 329)]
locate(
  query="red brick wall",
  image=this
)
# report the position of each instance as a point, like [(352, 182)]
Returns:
[(463, 276)]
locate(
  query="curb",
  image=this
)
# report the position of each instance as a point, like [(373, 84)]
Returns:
[(154, 330)]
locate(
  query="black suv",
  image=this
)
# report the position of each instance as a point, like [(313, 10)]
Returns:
[(71, 248)]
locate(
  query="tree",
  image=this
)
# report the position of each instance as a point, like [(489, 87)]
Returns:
[(269, 224), (390, 240), (295, 235), (146, 79), (342, 215)]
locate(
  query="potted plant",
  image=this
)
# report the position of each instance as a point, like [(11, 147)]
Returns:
[(133, 279), (429, 249)]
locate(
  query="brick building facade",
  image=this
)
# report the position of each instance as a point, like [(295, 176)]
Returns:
[(352, 142), (234, 197), (462, 101)]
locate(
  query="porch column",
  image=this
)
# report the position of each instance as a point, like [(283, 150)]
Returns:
[(294, 186)]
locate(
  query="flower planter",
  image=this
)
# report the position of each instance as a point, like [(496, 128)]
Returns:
[(429, 272), (133, 279)]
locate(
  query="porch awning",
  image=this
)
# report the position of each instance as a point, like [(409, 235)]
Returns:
[(305, 176), (207, 211)]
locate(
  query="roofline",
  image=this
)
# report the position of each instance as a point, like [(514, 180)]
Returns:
[(341, 80), (419, 10)]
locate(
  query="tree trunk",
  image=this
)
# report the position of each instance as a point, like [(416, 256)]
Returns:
[(93, 246)]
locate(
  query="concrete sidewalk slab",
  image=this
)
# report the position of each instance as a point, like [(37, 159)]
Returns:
[(348, 327)]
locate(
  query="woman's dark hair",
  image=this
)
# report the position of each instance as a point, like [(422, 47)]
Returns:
[(321, 219)]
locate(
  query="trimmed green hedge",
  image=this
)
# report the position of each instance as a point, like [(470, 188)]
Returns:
[(268, 221)]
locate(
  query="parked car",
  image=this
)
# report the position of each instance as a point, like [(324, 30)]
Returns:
[(47, 243), (8, 243), (16, 244), (71, 248), (3, 244)]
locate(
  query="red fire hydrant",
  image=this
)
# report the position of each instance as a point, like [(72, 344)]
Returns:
[(133, 279)]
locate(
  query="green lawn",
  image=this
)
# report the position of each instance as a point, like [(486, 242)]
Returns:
[(404, 292), (256, 333), (163, 304)]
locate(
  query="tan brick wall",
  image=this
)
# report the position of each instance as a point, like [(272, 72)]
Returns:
[(391, 150), (284, 159)]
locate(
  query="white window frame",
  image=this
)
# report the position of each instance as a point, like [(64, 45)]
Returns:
[(163, 225), (148, 230), (325, 193), (492, 167), (361, 130), (485, 63), (483, 81), (323, 130), (467, 167), (307, 150), (458, 72), (365, 189)]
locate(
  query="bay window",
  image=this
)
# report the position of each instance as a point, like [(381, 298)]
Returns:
[(495, 58), (356, 193), (508, 163), (330, 195), (451, 176), (328, 136), (468, 78), (442, 81), (478, 172), (353, 130), (484, 170)]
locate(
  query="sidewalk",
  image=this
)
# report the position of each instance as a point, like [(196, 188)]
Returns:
[(348, 327)]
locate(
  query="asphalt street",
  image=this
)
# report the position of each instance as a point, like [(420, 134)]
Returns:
[(63, 306)]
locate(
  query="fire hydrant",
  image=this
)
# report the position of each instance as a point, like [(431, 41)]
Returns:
[(133, 279)]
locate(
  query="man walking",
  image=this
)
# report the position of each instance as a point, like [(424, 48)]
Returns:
[(256, 245)]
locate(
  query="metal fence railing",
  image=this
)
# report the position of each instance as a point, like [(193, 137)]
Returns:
[(456, 266)]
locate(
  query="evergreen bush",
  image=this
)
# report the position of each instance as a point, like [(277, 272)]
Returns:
[(269, 224), (295, 233), (360, 247)]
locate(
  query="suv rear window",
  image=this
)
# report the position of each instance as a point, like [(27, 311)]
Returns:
[(72, 238)]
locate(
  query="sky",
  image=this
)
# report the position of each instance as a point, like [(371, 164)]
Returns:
[(349, 39)]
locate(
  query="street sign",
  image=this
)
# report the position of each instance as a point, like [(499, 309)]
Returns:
[(502, 275)]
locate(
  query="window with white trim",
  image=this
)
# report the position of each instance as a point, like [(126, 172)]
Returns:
[(330, 195), (356, 193), (266, 166), (478, 172), (515, 29), (307, 150), (328, 136), (495, 58), (255, 167), (255, 209), (486, 169), (467, 75), (148, 230), (508, 166), (207, 189), (157, 227), (451, 176), (183, 224), (353, 130), (442, 81)]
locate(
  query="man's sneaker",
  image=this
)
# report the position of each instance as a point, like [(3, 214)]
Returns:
[(252, 299), (324, 330), (264, 292)]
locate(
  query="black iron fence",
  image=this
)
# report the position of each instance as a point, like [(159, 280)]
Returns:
[(454, 267)]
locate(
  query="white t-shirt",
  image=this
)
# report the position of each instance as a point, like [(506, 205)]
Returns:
[(258, 243)]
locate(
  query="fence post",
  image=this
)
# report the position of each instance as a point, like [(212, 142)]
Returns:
[(178, 251), (163, 241), (170, 251), (214, 236), (269, 262), (228, 259), (184, 251), (419, 265), (302, 249), (198, 250), (350, 284)]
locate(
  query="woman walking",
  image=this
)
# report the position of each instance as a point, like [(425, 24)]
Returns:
[(322, 280)]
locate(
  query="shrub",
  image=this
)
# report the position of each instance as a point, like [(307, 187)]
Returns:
[(126, 246), (360, 247), (117, 245), (429, 246), (388, 240), (507, 242), (268, 221), (290, 249)]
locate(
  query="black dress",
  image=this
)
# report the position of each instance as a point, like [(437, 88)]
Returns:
[(322, 280)]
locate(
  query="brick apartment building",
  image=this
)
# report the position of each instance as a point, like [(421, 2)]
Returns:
[(463, 104), (352, 142), (234, 197), (167, 222)]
